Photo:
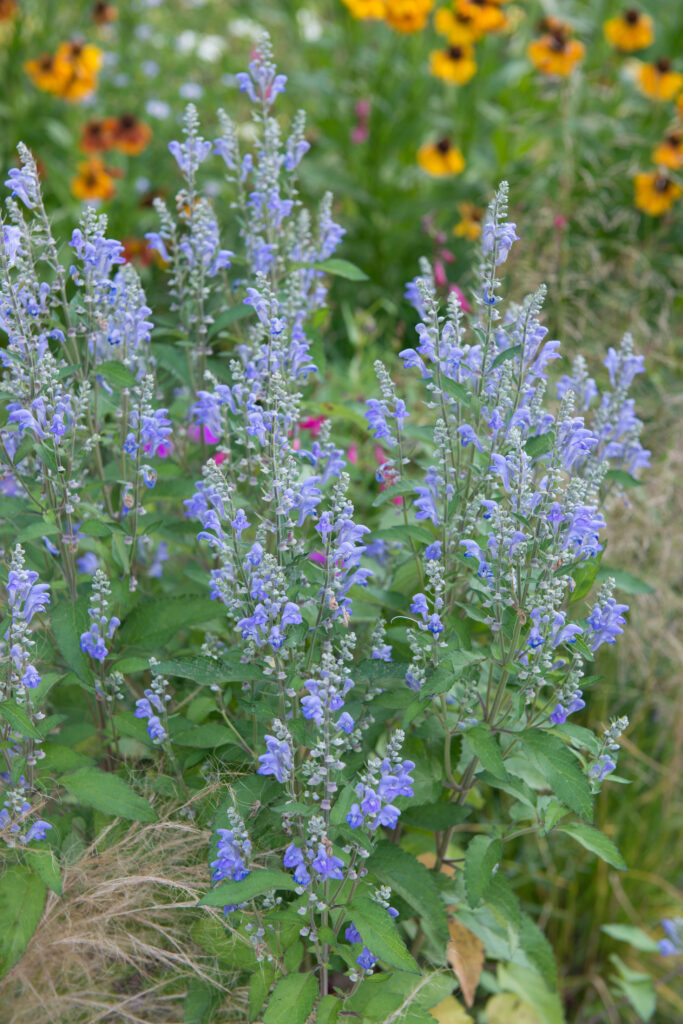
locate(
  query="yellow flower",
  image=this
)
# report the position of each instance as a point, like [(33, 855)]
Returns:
[(631, 30), (658, 81), (669, 153), (469, 225), (48, 73), (485, 15), (555, 53), (458, 28), (440, 159), (93, 181), (366, 9), (655, 193), (408, 15), (455, 64), (84, 61)]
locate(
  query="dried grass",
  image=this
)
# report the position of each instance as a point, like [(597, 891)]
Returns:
[(116, 945)]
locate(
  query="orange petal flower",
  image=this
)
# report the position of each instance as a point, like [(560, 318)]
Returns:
[(49, 73), (130, 135), (104, 13), (407, 15), (669, 153), (655, 193), (96, 135), (469, 225), (485, 15), (8, 9), (459, 29), (366, 10), (556, 53), (93, 181), (631, 30), (658, 81), (455, 64), (441, 159)]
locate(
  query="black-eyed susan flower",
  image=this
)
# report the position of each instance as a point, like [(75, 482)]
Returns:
[(631, 30), (366, 10), (407, 15), (48, 73), (8, 9), (659, 81), (555, 53), (93, 181), (655, 193), (96, 135), (459, 29), (485, 15), (469, 225), (84, 61), (104, 13), (455, 64), (669, 152), (440, 159), (129, 135)]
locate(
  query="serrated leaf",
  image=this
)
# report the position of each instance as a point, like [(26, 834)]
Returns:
[(393, 491), (484, 744), (327, 1010), (456, 390), (204, 737), (42, 860), (152, 622), (621, 477), (259, 987), (540, 444), (230, 316), (635, 937), (115, 373), (561, 769), (22, 898), (203, 670), (341, 268), (625, 581), (507, 1008), (483, 854), (531, 987), (435, 817), (595, 841), (465, 954), (68, 622), (107, 793), (450, 1011), (18, 719), (254, 884), (637, 987), (379, 934), (200, 1002), (292, 1000), (404, 531), (229, 948), (412, 881), (506, 355), (502, 899)]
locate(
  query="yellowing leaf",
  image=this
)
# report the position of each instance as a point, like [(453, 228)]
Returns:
[(465, 954), (507, 1008), (450, 1011)]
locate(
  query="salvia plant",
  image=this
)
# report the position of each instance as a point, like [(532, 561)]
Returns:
[(386, 699)]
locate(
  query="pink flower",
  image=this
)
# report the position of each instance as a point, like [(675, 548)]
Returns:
[(163, 450), (352, 454), (390, 475), (313, 423), (560, 222), (194, 435), (318, 556), (361, 131), (440, 279), (466, 308)]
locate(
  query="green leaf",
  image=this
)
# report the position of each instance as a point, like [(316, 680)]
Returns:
[(292, 1000), (415, 884), (483, 854), (108, 794), (204, 737), (561, 770), (42, 860), (625, 581), (327, 1010), (115, 373), (456, 390), (635, 937), (379, 934), (506, 355), (485, 745), (403, 532), (540, 444), (394, 491), (200, 1002), (151, 623), (532, 989), (22, 898), (584, 578), (18, 719), (203, 670), (621, 477), (253, 885), (593, 840), (637, 987), (259, 987), (434, 817), (68, 622), (341, 268), (231, 316), (502, 899), (231, 949)]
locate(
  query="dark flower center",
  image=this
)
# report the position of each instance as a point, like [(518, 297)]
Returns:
[(661, 183), (127, 121), (455, 52), (663, 65), (632, 16), (443, 146)]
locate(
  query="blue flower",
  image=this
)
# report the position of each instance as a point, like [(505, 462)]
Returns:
[(327, 865), (277, 760)]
